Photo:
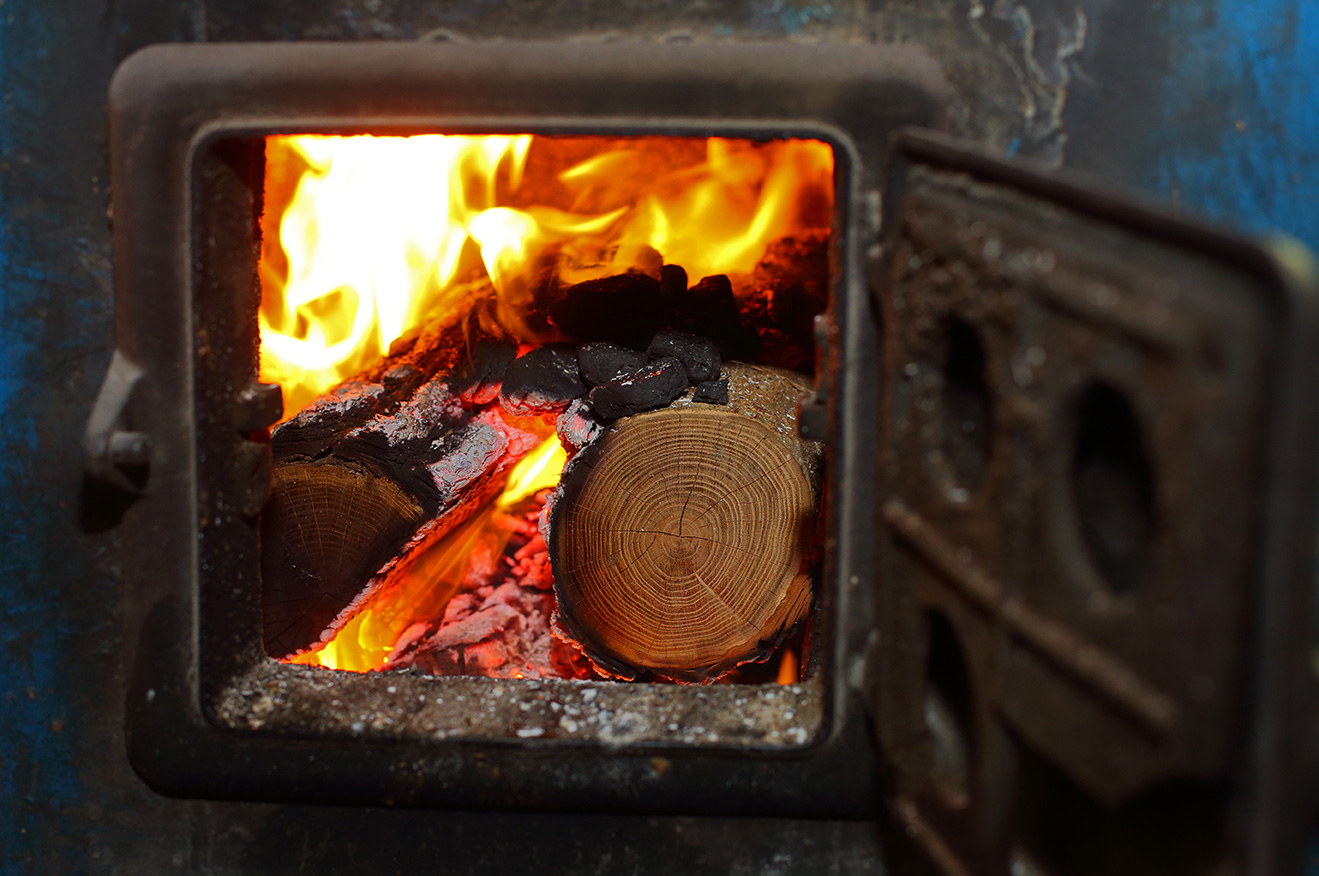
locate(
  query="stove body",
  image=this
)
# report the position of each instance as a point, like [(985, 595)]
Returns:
[(196, 836), (187, 124)]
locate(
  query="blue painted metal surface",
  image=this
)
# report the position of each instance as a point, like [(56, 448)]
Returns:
[(39, 777), (1241, 135), (1234, 135)]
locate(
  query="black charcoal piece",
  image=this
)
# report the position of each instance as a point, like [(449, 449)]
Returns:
[(577, 427), (712, 299), (699, 355), (478, 380), (626, 309), (649, 387), (712, 392), (673, 283), (710, 308), (601, 362), (541, 381)]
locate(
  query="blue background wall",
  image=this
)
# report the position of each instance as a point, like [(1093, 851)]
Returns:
[(1208, 105)]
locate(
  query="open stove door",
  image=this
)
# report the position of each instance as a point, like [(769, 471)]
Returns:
[(1096, 525)]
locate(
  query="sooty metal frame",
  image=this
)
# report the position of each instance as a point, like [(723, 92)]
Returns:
[(182, 421)]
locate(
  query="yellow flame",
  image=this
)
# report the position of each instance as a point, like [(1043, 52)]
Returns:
[(717, 217), (538, 470), (367, 640), (376, 234), (370, 234)]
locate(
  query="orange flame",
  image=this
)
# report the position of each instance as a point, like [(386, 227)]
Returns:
[(367, 237), (366, 641)]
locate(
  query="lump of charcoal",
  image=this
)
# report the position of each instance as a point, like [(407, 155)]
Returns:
[(712, 392), (602, 361), (479, 378), (673, 283), (699, 356), (710, 309), (652, 386), (543, 380), (626, 309), (576, 427)]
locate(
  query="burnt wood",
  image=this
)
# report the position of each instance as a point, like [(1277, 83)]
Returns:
[(377, 467), (601, 362), (643, 389)]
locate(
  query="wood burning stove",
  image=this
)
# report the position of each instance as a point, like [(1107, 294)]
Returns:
[(1068, 515)]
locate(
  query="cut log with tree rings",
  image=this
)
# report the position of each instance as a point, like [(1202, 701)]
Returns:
[(325, 532), (679, 542)]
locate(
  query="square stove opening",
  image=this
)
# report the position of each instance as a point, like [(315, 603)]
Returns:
[(540, 400)]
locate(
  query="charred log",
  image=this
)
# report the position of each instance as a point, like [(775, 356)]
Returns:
[(381, 465)]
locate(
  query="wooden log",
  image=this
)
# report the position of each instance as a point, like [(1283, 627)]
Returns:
[(374, 471), (681, 540)]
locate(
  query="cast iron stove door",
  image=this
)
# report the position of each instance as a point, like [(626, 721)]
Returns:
[(1095, 526)]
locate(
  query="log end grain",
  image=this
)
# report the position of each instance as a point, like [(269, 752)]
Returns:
[(679, 543), (324, 532)]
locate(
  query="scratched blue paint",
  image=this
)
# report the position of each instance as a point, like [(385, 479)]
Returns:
[(38, 778), (1241, 133), (788, 17)]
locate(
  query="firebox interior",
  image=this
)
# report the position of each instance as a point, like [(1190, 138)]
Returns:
[(445, 313)]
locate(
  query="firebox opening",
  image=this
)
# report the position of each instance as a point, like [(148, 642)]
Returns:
[(457, 322)]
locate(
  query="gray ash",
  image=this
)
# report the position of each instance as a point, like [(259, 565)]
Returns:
[(499, 625)]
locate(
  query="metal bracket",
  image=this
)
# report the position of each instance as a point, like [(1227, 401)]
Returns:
[(116, 455), (813, 407)]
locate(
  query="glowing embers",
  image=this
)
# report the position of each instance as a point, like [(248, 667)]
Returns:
[(453, 317), (496, 560)]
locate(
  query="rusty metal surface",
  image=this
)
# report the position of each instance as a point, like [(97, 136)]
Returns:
[(1093, 418)]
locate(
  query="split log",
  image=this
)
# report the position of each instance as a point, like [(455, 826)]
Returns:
[(374, 471), (336, 527), (681, 540)]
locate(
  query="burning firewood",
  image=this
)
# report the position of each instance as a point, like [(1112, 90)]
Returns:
[(383, 465), (390, 461), (681, 539)]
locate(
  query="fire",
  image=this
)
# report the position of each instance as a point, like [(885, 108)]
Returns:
[(366, 237), (366, 641)]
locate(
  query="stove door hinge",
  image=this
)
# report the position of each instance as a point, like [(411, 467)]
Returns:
[(115, 454)]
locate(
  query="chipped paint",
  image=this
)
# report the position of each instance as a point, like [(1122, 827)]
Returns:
[(1042, 50)]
